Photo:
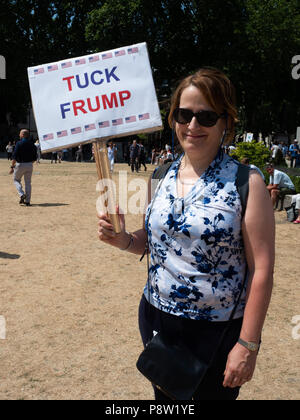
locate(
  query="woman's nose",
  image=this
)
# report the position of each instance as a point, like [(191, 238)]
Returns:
[(194, 123)]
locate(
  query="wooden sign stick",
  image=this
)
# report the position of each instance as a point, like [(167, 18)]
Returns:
[(102, 165)]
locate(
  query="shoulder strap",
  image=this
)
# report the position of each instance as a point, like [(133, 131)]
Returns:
[(161, 171), (242, 185)]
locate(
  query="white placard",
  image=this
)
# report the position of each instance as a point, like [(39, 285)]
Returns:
[(101, 95), (298, 134), (249, 137)]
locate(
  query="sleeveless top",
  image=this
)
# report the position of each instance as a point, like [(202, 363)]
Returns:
[(197, 260)]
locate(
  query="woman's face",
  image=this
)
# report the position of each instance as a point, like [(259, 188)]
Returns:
[(194, 138)]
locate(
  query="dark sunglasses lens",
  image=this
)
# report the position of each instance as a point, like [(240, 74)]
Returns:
[(207, 118), (183, 116)]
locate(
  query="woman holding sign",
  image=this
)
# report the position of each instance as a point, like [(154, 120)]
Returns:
[(207, 258)]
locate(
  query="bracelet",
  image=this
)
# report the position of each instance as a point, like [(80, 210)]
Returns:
[(12, 167), (129, 244)]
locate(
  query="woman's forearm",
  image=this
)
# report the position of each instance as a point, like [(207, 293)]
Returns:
[(258, 298), (138, 242)]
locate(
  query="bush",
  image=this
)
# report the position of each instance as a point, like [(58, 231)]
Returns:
[(296, 182), (257, 153)]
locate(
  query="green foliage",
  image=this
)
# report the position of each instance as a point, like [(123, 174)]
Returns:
[(296, 182), (257, 153)]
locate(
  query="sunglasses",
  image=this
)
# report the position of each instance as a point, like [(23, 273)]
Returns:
[(204, 118)]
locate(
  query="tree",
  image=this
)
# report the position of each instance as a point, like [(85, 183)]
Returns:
[(35, 32), (273, 31)]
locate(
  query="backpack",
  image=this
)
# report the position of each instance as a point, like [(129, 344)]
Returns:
[(241, 181), (291, 213)]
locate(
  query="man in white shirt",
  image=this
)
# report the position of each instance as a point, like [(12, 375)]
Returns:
[(280, 184)]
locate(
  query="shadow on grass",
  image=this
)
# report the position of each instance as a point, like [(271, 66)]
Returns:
[(9, 256), (49, 205)]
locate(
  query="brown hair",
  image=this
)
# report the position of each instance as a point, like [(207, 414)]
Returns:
[(218, 91)]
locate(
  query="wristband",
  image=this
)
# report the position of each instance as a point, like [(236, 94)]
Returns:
[(129, 244), (12, 167)]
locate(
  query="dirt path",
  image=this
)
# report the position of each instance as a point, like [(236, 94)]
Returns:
[(70, 302)]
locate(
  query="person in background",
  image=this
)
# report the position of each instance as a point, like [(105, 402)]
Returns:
[(134, 156), (24, 155), (274, 150), (111, 156), (38, 150), (65, 154), (79, 154), (296, 200), (294, 152), (280, 184), (169, 156), (9, 150), (153, 156), (54, 157), (115, 148), (201, 247), (142, 156)]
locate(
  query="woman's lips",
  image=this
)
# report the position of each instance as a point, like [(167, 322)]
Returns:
[(195, 136)]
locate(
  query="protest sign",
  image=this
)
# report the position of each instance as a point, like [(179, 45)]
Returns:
[(102, 95)]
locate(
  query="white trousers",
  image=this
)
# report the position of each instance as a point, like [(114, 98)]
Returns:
[(296, 199), (112, 163)]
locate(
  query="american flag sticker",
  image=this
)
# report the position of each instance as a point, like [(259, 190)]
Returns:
[(93, 58), (144, 116), (89, 127), (133, 50), (76, 130), (62, 133), (119, 53), (118, 121), (107, 55), (39, 70), (103, 124), (66, 64), (48, 136), (53, 67), (130, 119), (80, 61)]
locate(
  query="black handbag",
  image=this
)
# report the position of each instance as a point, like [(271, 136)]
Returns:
[(172, 367), (166, 361)]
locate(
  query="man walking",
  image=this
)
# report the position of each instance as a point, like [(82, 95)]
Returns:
[(24, 155), (134, 156)]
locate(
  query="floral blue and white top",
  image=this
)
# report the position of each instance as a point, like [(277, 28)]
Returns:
[(197, 262)]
